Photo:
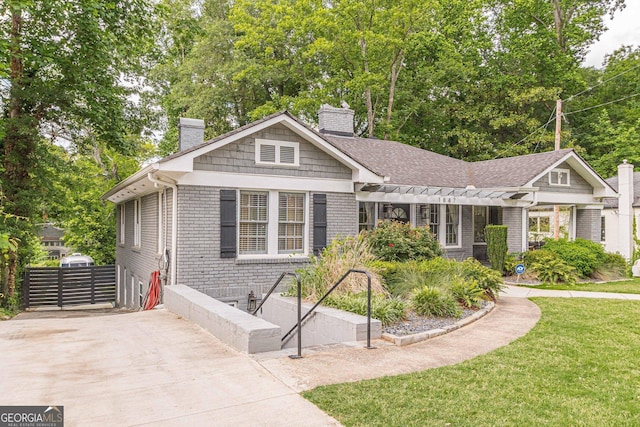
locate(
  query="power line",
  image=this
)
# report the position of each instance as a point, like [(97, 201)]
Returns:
[(551, 118), (601, 105), (601, 83)]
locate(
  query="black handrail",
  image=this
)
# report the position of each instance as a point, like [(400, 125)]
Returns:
[(273, 287), (301, 320)]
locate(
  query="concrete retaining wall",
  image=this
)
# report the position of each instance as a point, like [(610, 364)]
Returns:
[(327, 326), (234, 327)]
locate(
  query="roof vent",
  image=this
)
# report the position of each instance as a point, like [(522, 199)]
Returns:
[(335, 121), (190, 133)]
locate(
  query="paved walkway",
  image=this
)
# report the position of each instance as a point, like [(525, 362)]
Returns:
[(522, 292)]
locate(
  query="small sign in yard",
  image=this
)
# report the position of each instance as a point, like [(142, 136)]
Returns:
[(520, 269)]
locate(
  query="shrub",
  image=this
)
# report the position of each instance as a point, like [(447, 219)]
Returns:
[(511, 261), (555, 270), (584, 255), (490, 281), (614, 267), (496, 238), (334, 261), (396, 241), (429, 301), (408, 277), (386, 310), (467, 292)]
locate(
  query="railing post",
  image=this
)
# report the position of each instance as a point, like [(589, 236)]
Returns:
[(368, 310), (299, 355)]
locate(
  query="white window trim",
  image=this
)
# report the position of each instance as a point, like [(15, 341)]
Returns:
[(272, 228), (443, 227), (123, 223), (137, 223), (558, 171), (278, 144)]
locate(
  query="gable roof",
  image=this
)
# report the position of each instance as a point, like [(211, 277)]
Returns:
[(613, 182)]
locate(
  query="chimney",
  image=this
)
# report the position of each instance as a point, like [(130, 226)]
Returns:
[(335, 121), (190, 133), (625, 209)]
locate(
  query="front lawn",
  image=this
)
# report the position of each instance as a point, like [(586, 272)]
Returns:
[(621, 287), (578, 366)]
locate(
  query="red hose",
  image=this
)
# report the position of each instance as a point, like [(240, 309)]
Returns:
[(153, 294)]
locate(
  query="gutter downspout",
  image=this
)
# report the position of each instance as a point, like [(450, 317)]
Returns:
[(174, 221)]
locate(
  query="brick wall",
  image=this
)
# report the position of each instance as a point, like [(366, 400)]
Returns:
[(512, 218)]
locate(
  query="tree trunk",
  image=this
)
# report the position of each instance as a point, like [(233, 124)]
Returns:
[(396, 67), (368, 99)]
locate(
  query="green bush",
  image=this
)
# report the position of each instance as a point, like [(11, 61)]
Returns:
[(554, 271), (407, 277), (496, 238), (584, 255), (396, 241), (467, 292), (386, 310), (335, 260), (490, 281), (511, 261), (614, 267), (429, 301)]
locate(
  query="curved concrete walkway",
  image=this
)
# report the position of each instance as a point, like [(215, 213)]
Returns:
[(511, 319), (522, 292)]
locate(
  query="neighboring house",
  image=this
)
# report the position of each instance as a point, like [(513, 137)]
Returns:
[(618, 214), (232, 213), (52, 240)]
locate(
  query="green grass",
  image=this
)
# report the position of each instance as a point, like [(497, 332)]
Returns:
[(579, 366), (623, 287)]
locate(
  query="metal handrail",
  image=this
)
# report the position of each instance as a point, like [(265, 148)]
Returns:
[(302, 319), (273, 287)]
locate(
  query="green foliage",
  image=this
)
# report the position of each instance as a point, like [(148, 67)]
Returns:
[(489, 280), (511, 261), (496, 238), (467, 292), (584, 255), (386, 310), (429, 301), (396, 241), (613, 267), (554, 270), (335, 260)]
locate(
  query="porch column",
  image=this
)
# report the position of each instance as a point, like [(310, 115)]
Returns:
[(588, 224), (625, 209), (513, 219)]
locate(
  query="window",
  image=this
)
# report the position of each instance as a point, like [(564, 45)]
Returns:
[(452, 215), (559, 177), (281, 153), (366, 216), (254, 218), (603, 222), (291, 223), (434, 220), (479, 223), (136, 223), (122, 223)]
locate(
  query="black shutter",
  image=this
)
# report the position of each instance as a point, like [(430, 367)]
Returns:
[(319, 222), (228, 219)]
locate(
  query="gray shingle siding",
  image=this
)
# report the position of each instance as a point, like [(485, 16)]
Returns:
[(578, 185), (512, 218), (588, 224), (239, 157)]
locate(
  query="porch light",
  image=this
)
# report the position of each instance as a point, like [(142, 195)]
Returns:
[(424, 212), (251, 301), (387, 210)]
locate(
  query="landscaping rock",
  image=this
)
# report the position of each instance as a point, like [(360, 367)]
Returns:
[(415, 324)]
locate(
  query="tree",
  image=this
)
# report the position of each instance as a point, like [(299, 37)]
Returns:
[(63, 68)]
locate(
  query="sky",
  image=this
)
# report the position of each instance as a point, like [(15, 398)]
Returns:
[(624, 29)]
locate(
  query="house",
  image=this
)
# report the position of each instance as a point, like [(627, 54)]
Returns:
[(229, 215), (619, 215), (52, 241)]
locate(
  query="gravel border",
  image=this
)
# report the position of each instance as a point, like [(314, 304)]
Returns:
[(419, 329)]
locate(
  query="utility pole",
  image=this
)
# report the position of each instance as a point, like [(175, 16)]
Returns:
[(556, 208)]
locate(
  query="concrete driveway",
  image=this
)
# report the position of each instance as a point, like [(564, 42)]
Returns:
[(143, 368)]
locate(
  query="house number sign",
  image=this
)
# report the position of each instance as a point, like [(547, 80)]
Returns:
[(447, 199)]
